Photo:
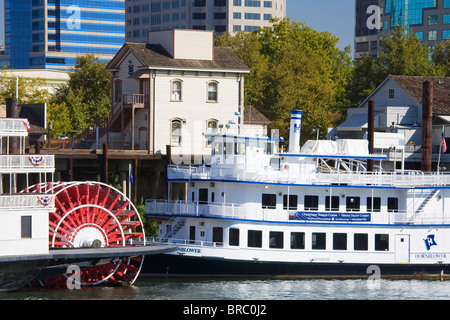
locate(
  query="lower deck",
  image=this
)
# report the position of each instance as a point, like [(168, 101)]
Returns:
[(306, 242)]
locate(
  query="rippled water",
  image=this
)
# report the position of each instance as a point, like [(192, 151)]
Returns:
[(255, 289)]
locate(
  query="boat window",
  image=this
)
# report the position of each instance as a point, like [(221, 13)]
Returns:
[(275, 163), (268, 148), (233, 237), (297, 240), (381, 242), (292, 205), (203, 196), (228, 148), (25, 226), (218, 235), (191, 234), (269, 201), (376, 207), (339, 241), (318, 241), (254, 239), (239, 148), (217, 148), (361, 241), (353, 203), (392, 204), (334, 203), (311, 203), (276, 240)]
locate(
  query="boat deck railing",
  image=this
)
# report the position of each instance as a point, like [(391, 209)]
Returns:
[(13, 127), (23, 201), (27, 163), (243, 212), (400, 178)]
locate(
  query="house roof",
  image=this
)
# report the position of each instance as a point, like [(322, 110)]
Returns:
[(441, 90), (154, 55), (413, 85), (253, 116)]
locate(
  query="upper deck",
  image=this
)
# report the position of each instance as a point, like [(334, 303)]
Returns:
[(341, 162)]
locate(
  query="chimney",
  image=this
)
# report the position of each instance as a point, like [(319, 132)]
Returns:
[(294, 136), (427, 115)]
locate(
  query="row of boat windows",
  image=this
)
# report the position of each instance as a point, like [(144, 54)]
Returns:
[(311, 202), (318, 240), (332, 203)]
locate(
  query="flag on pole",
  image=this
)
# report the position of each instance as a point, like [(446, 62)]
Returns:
[(443, 142), (131, 173)]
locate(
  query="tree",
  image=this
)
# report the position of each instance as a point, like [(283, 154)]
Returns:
[(401, 53), (86, 96), (293, 67), (441, 58), (30, 90)]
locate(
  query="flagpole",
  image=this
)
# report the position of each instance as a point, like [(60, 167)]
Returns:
[(129, 184), (440, 149)]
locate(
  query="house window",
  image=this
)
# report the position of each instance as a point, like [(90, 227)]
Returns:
[(212, 91), (175, 90), (175, 138), (117, 90), (391, 94)]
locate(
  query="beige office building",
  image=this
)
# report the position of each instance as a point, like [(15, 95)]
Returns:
[(143, 16)]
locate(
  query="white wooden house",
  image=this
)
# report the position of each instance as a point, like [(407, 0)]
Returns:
[(172, 90), (398, 110)]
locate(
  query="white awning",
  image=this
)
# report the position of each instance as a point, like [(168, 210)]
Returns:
[(354, 123)]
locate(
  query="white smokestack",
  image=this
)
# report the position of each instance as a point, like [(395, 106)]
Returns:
[(294, 137)]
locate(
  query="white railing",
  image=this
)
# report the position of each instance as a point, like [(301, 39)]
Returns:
[(245, 212), (27, 163), (10, 203), (239, 173), (13, 127)]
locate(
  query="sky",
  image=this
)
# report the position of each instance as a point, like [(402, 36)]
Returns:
[(335, 16)]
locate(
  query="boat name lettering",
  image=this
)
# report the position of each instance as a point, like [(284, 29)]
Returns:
[(430, 255), (190, 250)]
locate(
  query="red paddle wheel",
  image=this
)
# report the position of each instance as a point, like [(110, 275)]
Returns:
[(93, 214)]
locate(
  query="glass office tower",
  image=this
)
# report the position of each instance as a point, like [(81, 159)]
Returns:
[(366, 32), (49, 34), (428, 19)]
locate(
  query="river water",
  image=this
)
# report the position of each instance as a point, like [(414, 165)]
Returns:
[(250, 289)]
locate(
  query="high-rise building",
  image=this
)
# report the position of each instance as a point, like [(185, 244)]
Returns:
[(366, 28), (428, 19), (219, 15), (49, 34)]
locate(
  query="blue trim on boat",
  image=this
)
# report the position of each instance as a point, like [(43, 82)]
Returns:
[(310, 185), (297, 222), (327, 156)]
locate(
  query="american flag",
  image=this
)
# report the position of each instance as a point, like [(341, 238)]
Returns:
[(444, 144)]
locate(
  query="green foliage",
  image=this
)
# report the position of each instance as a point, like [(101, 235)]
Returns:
[(29, 89), (86, 97), (400, 53), (293, 67), (441, 59)]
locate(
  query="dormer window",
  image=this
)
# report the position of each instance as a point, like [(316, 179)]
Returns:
[(175, 94), (212, 91)]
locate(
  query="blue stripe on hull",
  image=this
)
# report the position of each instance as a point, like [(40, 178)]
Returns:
[(183, 265)]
